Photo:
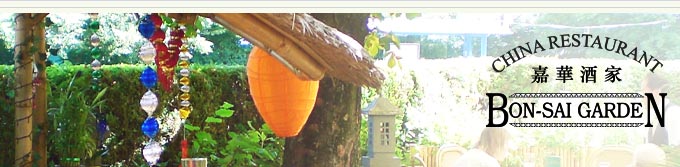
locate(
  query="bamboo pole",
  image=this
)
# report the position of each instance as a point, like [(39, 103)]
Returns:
[(300, 43), (40, 100), (23, 90), (347, 58), (263, 36)]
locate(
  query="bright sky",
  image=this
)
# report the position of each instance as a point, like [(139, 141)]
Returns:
[(447, 24)]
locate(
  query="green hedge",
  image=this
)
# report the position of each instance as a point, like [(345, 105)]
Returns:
[(210, 87)]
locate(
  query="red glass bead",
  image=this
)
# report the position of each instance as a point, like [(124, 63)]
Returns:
[(174, 43), (161, 51), (158, 36), (156, 19), (180, 33)]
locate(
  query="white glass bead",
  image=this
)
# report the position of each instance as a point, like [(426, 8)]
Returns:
[(147, 53), (184, 72), (185, 103), (185, 56), (184, 88), (96, 65), (152, 152), (149, 102)]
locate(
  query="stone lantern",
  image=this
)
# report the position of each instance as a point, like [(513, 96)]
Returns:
[(381, 134)]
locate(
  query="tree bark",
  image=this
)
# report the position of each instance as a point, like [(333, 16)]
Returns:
[(23, 75), (331, 135), (40, 100)]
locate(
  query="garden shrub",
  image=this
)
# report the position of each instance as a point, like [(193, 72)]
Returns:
[(211, 86)]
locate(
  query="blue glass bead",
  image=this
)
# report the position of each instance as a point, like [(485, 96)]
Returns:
[(150, 127), (102, 128), (148, 78), (146, 27)]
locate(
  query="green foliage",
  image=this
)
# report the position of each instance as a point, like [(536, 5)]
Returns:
[(376, 43), (241, 146), (404, 91), (227, 48), (120, 41), (70, 136), (6, 52), (210, 86), (6, 116)]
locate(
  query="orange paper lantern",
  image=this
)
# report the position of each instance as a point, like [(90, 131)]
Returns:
[(283, 100)]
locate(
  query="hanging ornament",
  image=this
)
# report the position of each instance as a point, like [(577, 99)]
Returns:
[(150, 53), (102, 128), (149, 102), (175, 41), (96, 65), (184, 57), (94, 40), (283, 100), (164, 64), (185, 148), (146, 27), (96, 53), (184, 64), (184, 103), (94, 25), (184, 72), (158, 36), (150, 127), (184, 112), (147, 53), (97, 74), (93, 16), (152, 152), (148, 78), (164, 67), (184, 88), (156, 19)]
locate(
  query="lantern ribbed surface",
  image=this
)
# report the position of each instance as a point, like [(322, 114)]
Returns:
[(284, 101)]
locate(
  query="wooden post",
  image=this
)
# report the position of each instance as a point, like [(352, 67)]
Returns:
[(23, 102), (40, 100)]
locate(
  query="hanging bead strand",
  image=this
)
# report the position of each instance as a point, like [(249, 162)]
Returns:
[(180, 39), (184, 72), (149, 102), (95, 52), (97, 74)]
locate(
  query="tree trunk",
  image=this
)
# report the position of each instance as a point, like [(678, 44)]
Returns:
[(331, 135), (23, 75), (40, 100)]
